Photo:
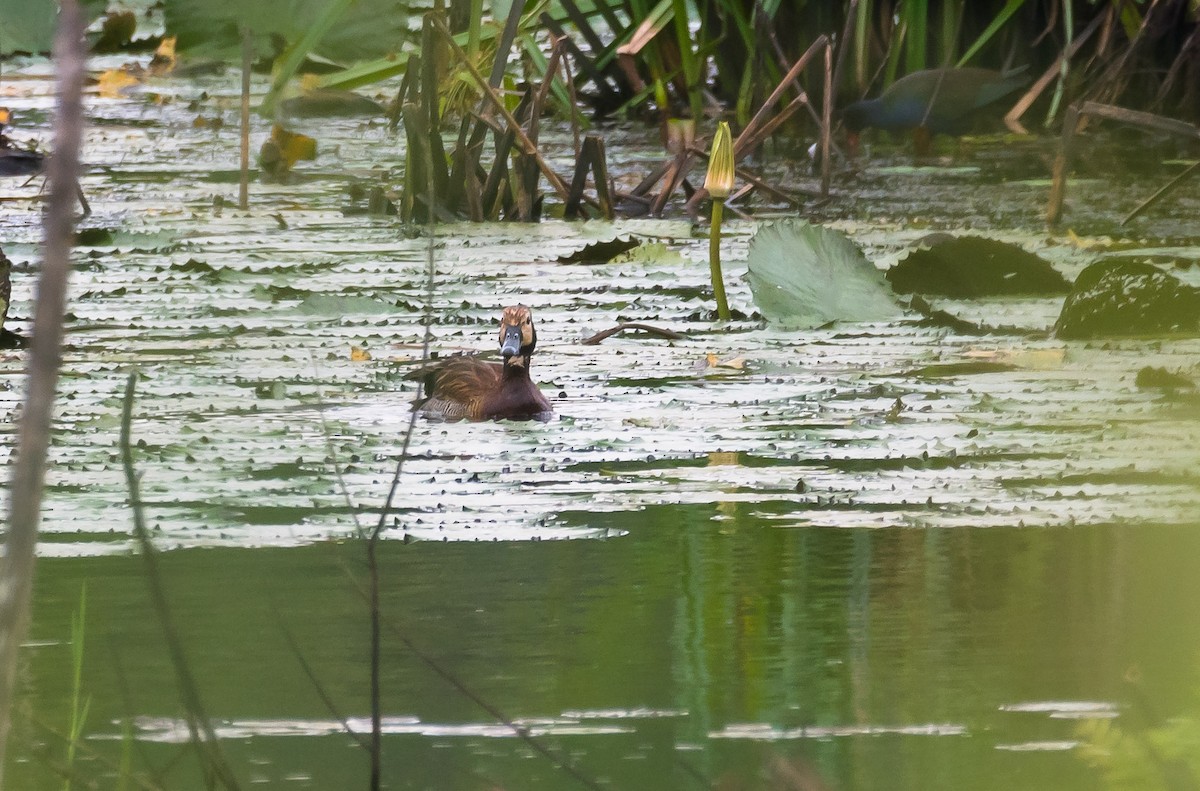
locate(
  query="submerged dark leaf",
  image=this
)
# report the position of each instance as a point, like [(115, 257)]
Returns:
[(599, 252), (966, 267), (1124, 298)]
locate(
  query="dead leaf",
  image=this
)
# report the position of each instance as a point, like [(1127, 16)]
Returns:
[(200, 122), (712, 360), (113, 83), (164, 59), (724, 458), (1029, 359), (284, 149)]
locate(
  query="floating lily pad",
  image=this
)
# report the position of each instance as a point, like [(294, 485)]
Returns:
[(805, 275)]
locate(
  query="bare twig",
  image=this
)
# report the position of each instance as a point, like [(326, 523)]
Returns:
[(203, 737), (322, 693), (523, 733), (1012, 118), (1161, 193), (827, 123), (658, 331), (244, 178), (1071, 120), (28, 479), (376, 740)]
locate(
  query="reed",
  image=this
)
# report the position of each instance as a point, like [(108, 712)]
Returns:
[(79, 704)]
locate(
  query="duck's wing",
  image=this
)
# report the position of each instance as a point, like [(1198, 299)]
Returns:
[(456, 387)]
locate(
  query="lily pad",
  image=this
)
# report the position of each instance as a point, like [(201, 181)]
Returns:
[(804, 275)]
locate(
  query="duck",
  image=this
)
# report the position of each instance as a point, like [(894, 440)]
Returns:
[(932, 101), (469, 388), (8, 338), (16, 161)]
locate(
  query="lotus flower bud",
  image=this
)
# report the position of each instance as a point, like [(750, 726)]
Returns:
[(719, 181)]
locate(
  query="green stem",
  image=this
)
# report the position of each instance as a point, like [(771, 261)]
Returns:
[(714, 259)]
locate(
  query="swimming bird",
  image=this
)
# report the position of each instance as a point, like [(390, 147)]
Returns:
[(8, 338), (18, 161), (467, 387), (933, 101)]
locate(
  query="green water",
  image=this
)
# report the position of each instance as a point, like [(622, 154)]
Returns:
[(852, 550), (888, 658)]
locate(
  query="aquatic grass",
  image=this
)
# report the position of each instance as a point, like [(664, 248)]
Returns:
[(203, 736), (1002, 18), (79, 705), (298, 52), (689, 60), (125, 760), (915, 18)]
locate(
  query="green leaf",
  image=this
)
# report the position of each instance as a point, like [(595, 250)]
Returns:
[(28, 25), (368, 29), (804, 275)]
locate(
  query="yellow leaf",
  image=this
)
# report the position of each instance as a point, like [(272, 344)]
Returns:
[(1088, 242), (285, 149), (114, 82), (1029, 359), (358, 354), (164, 59), (293, 145), (200, 122), (712, 360), (724, 458)]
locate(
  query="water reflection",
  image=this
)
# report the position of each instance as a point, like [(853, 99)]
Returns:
[(692, 646)]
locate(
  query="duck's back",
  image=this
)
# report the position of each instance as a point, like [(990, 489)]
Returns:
[(467, 388), (455, 388)]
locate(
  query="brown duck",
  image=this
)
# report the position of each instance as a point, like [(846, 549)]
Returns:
[(469, 388)]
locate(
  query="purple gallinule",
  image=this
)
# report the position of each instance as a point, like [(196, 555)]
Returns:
[(467, 387), (933, 101)]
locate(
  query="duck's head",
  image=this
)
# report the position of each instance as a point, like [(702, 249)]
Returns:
[(517, 336)]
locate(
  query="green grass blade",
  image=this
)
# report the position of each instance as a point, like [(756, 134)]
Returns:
[(1006, 13), (295, 56), (916, 15)]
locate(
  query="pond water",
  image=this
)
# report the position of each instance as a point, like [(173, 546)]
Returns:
[(881, 555)]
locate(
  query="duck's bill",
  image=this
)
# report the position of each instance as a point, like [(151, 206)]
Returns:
[(510, 342)]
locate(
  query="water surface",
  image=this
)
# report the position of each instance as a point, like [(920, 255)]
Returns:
[(855, 549)]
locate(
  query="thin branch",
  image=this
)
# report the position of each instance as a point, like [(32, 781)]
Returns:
[(661, 333), (376, 740), (203, 737), (29, 473), (322, 693)]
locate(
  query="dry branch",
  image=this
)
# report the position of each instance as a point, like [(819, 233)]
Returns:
[(45, 355)]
